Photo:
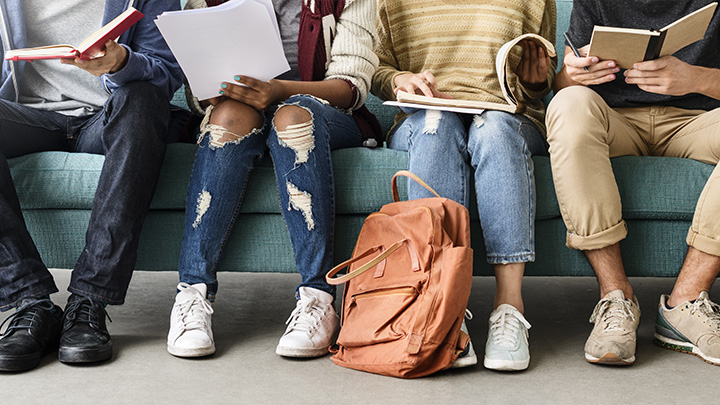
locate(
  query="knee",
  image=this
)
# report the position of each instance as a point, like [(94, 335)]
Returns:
[(294, 126), (572, 101), (230, 122)]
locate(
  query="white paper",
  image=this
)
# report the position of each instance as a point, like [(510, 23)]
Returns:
[(214, 44)]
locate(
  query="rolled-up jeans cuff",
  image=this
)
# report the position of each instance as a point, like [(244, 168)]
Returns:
[(599, 240), (703, 243)]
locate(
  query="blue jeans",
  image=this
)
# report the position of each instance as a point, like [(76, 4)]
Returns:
[(443, 146), (217, 186), (130, 132)]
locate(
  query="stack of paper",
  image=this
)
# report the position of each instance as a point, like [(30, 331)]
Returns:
[(212, 45)]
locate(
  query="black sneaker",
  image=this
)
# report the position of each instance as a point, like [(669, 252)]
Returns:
[(33, 331), (84, 338)]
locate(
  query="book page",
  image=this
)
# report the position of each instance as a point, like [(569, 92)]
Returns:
[(421, 100), (501, 61), (625, 46), (214, 44), (687, 30), (42, 52)]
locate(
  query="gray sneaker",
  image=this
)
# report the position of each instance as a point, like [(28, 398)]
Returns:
[(691, 327), (613, 339)]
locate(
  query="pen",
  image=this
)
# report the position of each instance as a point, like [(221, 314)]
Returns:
[(574, 49)]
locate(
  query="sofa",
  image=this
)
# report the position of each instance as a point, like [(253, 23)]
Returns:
[(56, 191)]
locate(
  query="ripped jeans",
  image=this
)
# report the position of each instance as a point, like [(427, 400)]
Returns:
[(304, 175), (443, 146)]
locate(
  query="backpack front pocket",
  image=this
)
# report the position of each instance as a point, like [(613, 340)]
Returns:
[(378, 316)]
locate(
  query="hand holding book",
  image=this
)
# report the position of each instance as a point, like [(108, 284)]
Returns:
[(113, 58), (418, 83)]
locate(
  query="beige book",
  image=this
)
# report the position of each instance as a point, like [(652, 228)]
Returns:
[(627, 46), (413, 101)]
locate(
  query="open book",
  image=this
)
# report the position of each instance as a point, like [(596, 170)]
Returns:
[(212, 45), (408, 101), (90, 47), (627, 46)]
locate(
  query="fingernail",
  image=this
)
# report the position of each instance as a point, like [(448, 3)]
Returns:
[(222, 92), (224, 86), (237, 78)]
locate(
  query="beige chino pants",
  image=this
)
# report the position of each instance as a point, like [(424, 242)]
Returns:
[(584, 133)]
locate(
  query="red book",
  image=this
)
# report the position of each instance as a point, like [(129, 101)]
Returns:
[(89, 47)]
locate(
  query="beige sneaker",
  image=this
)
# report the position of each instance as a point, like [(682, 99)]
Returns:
[(691, 327), (613, 339)]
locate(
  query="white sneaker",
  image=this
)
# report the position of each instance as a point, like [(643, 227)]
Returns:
[(311, 325), (190, 323), (507, 344), (468, 357)]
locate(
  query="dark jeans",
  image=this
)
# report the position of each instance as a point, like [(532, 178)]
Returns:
[(130, 132)]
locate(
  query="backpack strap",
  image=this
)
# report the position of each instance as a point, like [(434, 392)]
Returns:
[(377, 260), (410, 175)]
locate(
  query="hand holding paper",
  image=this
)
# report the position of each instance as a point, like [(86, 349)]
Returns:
[(215, 44)]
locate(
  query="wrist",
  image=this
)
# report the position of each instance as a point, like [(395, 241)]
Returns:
[(122, 61)]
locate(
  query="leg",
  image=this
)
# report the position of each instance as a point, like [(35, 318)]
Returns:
[(303, 132), (232, 140), (33, 330), (501, 146), (23, 130), (579, 120), (130, 132), (687, 321), (436, 142)]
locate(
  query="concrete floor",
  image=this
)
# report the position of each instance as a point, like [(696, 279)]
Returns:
[(249, 318)]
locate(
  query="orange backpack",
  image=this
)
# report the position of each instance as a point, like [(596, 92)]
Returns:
[(404, 305)]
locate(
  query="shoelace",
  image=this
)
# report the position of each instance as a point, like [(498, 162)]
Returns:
[(612, 311), (505, 325), (26, 313), (306, 316), (189, 312), (709, 309), (83, 310)]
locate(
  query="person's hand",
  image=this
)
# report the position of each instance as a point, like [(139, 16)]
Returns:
[(598, 71), (256, 93), (418, 83), (534, 66), (110, 60), (667, 75)]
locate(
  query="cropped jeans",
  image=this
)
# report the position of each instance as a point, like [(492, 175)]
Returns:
[(444, 146), (303, 170), (130, 131)]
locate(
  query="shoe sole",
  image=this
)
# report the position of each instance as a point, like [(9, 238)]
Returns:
[(85, 355), (505, 365), (610, 359), (683, 347), (196, 352), (300, 353), (20, 363)]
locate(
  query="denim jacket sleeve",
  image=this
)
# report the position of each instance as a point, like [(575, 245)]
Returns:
[(149, 58)]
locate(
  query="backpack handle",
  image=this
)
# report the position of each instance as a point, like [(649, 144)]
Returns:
[(362, 269), (410, 175)]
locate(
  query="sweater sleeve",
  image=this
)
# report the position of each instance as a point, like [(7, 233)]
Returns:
[(352, 57), (149, 58), (383, 80)]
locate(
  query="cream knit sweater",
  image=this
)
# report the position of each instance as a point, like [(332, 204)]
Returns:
[(457, 40)]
